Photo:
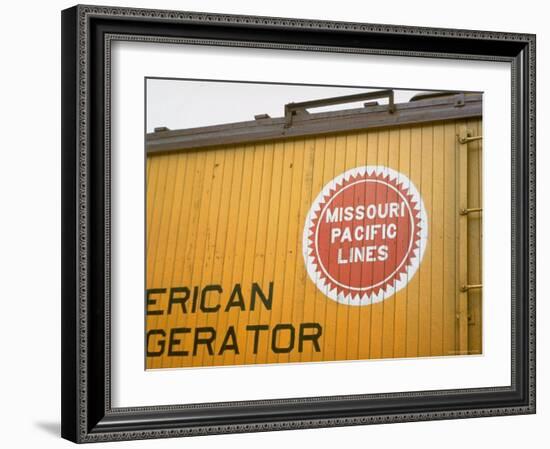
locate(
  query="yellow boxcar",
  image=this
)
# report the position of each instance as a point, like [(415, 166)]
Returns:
[(258, 249)]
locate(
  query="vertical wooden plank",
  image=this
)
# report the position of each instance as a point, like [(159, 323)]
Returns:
[(450, 209), (178, 276), (164, 242), (401, 297), (388, 327), (229, 258), (314, 303), (424, 271), (253, 340), (475, 238), (254, 234), (413, 286), (360, 339), (171, 237), (300, 275), (328, 307), (238, 306), (193, 209), (152, 183), (196, 317), (155, 234), (355, 324), (462, 241), (247, 252), (340, 313), (348, 153), (283, 233), (148, 163), (149, 195), (206, 353), (284, 339), (370, 157), (437, 236), (274, 225), (377, 310), (220, 247)]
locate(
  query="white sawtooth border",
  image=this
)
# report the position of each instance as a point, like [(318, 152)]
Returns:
[(363, 299)]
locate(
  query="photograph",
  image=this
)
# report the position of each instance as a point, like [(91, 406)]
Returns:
[(275, 225), (294, 223), (281, 223)]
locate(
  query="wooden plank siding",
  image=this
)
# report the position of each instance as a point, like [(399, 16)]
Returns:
[(235, 214)]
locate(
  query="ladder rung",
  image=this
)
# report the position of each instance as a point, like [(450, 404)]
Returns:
[(465, 288), (470, 210), (469, 139)]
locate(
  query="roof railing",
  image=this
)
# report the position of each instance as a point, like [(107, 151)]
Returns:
[(293, 109)]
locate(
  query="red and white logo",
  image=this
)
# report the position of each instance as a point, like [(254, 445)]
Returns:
[(365, 235)]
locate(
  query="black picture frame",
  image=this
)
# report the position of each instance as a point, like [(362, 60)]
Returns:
[(87, 414)]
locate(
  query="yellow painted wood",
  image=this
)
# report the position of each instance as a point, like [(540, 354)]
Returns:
[(348, 150), (231, 230), (243, 242), (316, 307), (437, 244), (280, 278), (292, 253), (377, 312), (401, 297), (300, 277), (450, 210), (337, 314), (462, 241), (475, 239), (161, 218), (224, 172), (425, 270), (389, 306), (328, 308), (358, 339), (214, 175), (258, 263), (171, 259), (235, 214), (274, 225), (413, 287)]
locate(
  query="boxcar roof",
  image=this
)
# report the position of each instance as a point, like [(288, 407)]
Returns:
[(425, 108)]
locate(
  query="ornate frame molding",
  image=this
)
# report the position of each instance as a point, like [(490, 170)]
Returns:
[(86, 418)]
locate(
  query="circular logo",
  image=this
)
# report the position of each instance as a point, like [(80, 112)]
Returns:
[(365, 235)]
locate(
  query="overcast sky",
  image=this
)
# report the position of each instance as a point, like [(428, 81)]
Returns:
[(179, 104)]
